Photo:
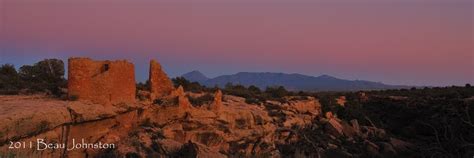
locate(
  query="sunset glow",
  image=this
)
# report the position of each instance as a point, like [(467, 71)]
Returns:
[(411, 42)]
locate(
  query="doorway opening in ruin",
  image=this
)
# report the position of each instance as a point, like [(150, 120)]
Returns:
[(106, 67)]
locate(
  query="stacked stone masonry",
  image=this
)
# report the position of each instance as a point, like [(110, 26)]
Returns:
[(103, 82), (160, 83)]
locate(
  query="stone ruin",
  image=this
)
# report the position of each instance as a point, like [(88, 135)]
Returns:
[(113, 82), (102, 82), (160, 83)]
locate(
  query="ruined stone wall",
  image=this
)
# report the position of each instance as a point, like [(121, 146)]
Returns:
[(102, 82), (160, 84)]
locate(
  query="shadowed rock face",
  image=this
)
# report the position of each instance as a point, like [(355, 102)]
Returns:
[(160, 84), (102, 82)]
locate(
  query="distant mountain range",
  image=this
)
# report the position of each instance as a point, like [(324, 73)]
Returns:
[(293, 81)]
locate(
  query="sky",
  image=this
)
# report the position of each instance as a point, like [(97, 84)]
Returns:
[(409, 42)]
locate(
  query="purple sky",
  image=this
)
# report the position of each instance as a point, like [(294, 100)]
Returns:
[(413, 42)]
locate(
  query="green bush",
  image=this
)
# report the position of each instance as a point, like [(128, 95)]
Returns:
[(44, 76), (10, 82), (277, 92), (188, 85)]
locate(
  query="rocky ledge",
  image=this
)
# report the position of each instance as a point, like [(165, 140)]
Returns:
[(173, 127)]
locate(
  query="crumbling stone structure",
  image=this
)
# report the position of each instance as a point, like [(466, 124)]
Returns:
[(160, 83), (217, 103), (183, 101), (102, 82)]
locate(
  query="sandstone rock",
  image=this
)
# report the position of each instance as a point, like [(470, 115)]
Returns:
[(355, 126), (191, 149), (334, 127), (52, 121), (169, 145), (237, 127), (332, 146), (183, 101), (387, 149), (217, 103), (329, 115), (19, 120), (348, 130), (341, 101), (144, 95), (102, 82), (372, 148), (306, 106), (373, 132), (363, 97), (160, 84), (400, 145)]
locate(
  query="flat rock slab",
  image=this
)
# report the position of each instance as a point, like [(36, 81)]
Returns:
[(22, 116)]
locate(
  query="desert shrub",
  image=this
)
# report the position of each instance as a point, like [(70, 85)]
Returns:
[(252, 94), (167, 102), (132, 155), (188, 150), (188, 85), (209, 138), (73, 97), (238, 90), (107, 153), (439, 120), (10, 82), (44, 76), (277, 92), (158, 101), (204, 99), (240, 123), (254, 89), (143, 86), (146, 123), (252, 100)]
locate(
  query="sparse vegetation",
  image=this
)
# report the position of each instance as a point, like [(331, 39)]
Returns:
[(438, 120), (45, 76), (73, 98), (201, 100), (188, 85), (143, 86), (10, 82)]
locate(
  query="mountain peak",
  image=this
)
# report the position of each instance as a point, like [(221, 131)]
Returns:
[(294, 81), (324, 76), (195, 76)]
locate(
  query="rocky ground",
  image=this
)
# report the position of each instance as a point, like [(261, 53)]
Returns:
[(173, 127)]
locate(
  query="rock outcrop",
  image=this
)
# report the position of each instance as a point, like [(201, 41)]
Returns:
[(160, 84), (341, 101), (217, 103), (170, 126), (102, 82), (175, 128), (60, 122), (179, 96), (166, 129)]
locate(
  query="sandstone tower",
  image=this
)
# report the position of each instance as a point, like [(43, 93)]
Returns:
[(217, 103), (102, 82), (160, 84)]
